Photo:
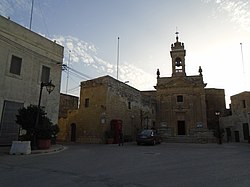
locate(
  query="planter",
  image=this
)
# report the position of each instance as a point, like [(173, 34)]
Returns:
[(44, 143)]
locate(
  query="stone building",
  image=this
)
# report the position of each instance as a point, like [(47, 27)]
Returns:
[(215, 102), (67, 102), (27, 59), (236, 124), (105, 99), (184, 107)]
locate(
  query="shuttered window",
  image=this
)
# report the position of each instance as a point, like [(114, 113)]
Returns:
[(15, 65), (45, 74)]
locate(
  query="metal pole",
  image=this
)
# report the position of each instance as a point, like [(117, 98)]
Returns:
[(68, 73), (118, 58), (34, 146), (242, 59), (31, 13), (219, 132)]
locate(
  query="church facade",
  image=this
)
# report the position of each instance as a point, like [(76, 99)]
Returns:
[(183, 102)]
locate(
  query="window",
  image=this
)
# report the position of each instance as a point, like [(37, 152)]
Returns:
[(244, 103), (45, 74), (15, 65), (129, 105), (179, 98), (86, 103)]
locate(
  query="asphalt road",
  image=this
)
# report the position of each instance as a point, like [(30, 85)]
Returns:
[(130, 166)]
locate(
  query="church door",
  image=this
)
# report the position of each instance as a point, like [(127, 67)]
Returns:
[(181, 128)]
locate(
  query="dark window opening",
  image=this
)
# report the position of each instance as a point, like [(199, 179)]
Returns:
[(15, 66), (178, 62), (86, 103), (179, 98), (45, 74), (129, 105), (244, 103)]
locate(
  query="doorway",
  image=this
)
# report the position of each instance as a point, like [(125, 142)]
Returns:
[(181, 127), (229, 134), (73, 132), (245, 131), (237, 136), (9, 129)]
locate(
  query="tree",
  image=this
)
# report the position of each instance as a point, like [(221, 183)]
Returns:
[(44, 129)]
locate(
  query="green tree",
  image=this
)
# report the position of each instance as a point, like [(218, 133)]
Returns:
[(44, 129)]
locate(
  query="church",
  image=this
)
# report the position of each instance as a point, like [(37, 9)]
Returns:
[(185, 108)]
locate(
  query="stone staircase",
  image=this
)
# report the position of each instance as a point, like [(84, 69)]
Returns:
[(184, 139)]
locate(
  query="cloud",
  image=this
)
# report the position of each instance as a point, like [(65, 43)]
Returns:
[(9, 7), (79, 51), (237, 11)]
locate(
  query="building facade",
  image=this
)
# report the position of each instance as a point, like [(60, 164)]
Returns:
[(67, 102), (27, 59), (183, 103), (215, 102), (236, 124), (105, 99)]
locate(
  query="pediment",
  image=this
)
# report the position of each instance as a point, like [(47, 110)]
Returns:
[(181, 82)]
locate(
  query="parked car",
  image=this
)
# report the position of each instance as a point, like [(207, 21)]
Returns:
[(148, 136)]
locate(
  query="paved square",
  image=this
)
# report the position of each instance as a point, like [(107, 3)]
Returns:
[(167, 164)]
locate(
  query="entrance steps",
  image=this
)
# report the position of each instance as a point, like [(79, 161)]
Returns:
[(184, 139)]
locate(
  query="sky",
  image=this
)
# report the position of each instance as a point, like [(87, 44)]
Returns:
[(216, 35)]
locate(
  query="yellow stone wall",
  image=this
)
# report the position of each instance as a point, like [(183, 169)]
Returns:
[(108, 99)]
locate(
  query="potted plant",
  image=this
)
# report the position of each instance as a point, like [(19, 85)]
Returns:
[(44, 134), (38, 133)]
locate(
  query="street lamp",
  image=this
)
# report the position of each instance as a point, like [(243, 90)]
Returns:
[(49, 87), (217, 113)]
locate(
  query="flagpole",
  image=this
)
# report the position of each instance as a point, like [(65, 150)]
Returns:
[(242, 59), (118, 59), (31, 13)]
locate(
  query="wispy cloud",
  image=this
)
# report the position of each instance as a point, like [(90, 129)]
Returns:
[(237, 11), (87, 54), (9, 7)]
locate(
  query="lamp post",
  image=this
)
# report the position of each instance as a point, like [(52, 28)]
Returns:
[(49, 87), (217, 113), (248, 117)]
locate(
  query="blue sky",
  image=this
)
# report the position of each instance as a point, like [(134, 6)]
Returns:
[(211, 30)]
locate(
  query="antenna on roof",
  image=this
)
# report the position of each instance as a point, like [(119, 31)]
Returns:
[(31, 13)]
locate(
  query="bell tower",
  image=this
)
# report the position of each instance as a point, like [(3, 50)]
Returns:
[(178, 54)]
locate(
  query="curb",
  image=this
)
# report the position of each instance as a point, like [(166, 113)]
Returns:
[(53, 149)]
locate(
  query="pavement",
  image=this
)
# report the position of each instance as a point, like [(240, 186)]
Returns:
[(4, 150)]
